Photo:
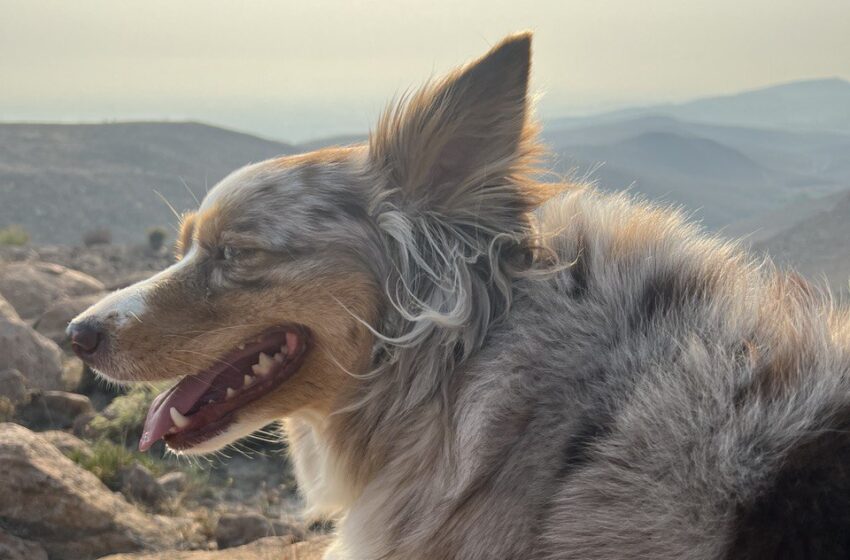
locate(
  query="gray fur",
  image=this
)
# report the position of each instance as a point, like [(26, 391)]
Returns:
[(610, 399), (589, 377)]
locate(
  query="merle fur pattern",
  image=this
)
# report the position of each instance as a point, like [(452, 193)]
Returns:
[(591, 377)]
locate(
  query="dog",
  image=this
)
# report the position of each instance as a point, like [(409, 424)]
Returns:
[(470, 364)]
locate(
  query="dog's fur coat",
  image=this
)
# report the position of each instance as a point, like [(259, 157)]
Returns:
[(584, 377)]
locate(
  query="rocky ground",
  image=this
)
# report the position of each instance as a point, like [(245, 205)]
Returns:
[(72, 484)]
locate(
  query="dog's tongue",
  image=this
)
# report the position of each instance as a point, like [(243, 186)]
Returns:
[(182, 397)]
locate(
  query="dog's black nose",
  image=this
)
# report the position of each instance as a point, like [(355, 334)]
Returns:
[(85, 337)]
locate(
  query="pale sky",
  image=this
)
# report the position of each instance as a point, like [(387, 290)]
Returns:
[(300, 70)]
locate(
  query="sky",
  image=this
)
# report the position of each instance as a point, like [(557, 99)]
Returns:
[(295, 71)]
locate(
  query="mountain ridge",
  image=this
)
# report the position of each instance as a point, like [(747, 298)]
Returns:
[(772, 106)]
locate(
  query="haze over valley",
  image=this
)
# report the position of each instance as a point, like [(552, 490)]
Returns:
[(771, 164)]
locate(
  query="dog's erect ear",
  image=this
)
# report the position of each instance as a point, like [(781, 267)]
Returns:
[(463, 142)]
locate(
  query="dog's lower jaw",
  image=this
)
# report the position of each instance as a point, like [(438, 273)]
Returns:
[(232, 433)]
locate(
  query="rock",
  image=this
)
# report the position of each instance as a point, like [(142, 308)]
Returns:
[(81, 425), (73, 369), (37, 357), (235, 529), (281, 528), (269, 548), (7, 410), (7, 311), (54, 410), (55, 319), (13, 386), (67, 443), (139, 485), (47, 498), (32, 287), (173, 482), (13, 548)]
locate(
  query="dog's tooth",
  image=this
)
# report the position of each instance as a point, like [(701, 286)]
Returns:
[(172, 430), (230, 394), (179, 420), (266, 363), (291, 343), (241, 346), (258, 370), (248, 381), (278, 358)]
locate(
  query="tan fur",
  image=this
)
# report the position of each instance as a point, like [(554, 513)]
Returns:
[(177, 336), (184, 236)]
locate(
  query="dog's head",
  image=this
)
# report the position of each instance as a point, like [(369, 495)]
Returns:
[(289, 265)]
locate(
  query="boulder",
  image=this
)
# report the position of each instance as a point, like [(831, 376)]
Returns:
[(281, 528), (38, 358), (269, 548), (55, 319), (140, 486), (47, 498), (73, 372), (81, 425), (13, 386), (68, 444), (13, 548), (236, 529), (7, 311), (50, 410), (32, 287)]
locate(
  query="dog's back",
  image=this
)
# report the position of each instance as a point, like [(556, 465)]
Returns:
[(652, 393), (705, 398)]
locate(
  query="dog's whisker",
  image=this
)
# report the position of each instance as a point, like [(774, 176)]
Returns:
[(170, 207), (191, 193), (208, 356)]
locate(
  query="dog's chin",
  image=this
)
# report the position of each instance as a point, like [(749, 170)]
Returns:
[(235, 431), (210, 409)]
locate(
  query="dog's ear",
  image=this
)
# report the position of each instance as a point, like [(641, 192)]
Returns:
[(463, 144)]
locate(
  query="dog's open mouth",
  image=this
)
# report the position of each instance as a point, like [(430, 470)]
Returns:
[(202, 405)]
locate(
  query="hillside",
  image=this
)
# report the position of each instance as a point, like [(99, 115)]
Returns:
[(724, 174), (817, 245), (720, 184), (59, 181), (762, 227), (822, 104)]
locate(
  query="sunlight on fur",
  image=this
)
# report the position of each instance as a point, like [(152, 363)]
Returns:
[(470, 364)]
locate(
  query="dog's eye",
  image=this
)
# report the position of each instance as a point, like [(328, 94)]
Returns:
[(229, 253), (226, 253)]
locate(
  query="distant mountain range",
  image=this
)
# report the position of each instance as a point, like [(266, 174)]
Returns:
[(771, 164), (822, 105), (723, 173), (59, 181)]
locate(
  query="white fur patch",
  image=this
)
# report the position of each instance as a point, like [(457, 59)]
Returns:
[(236, 431), (130, 303)]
